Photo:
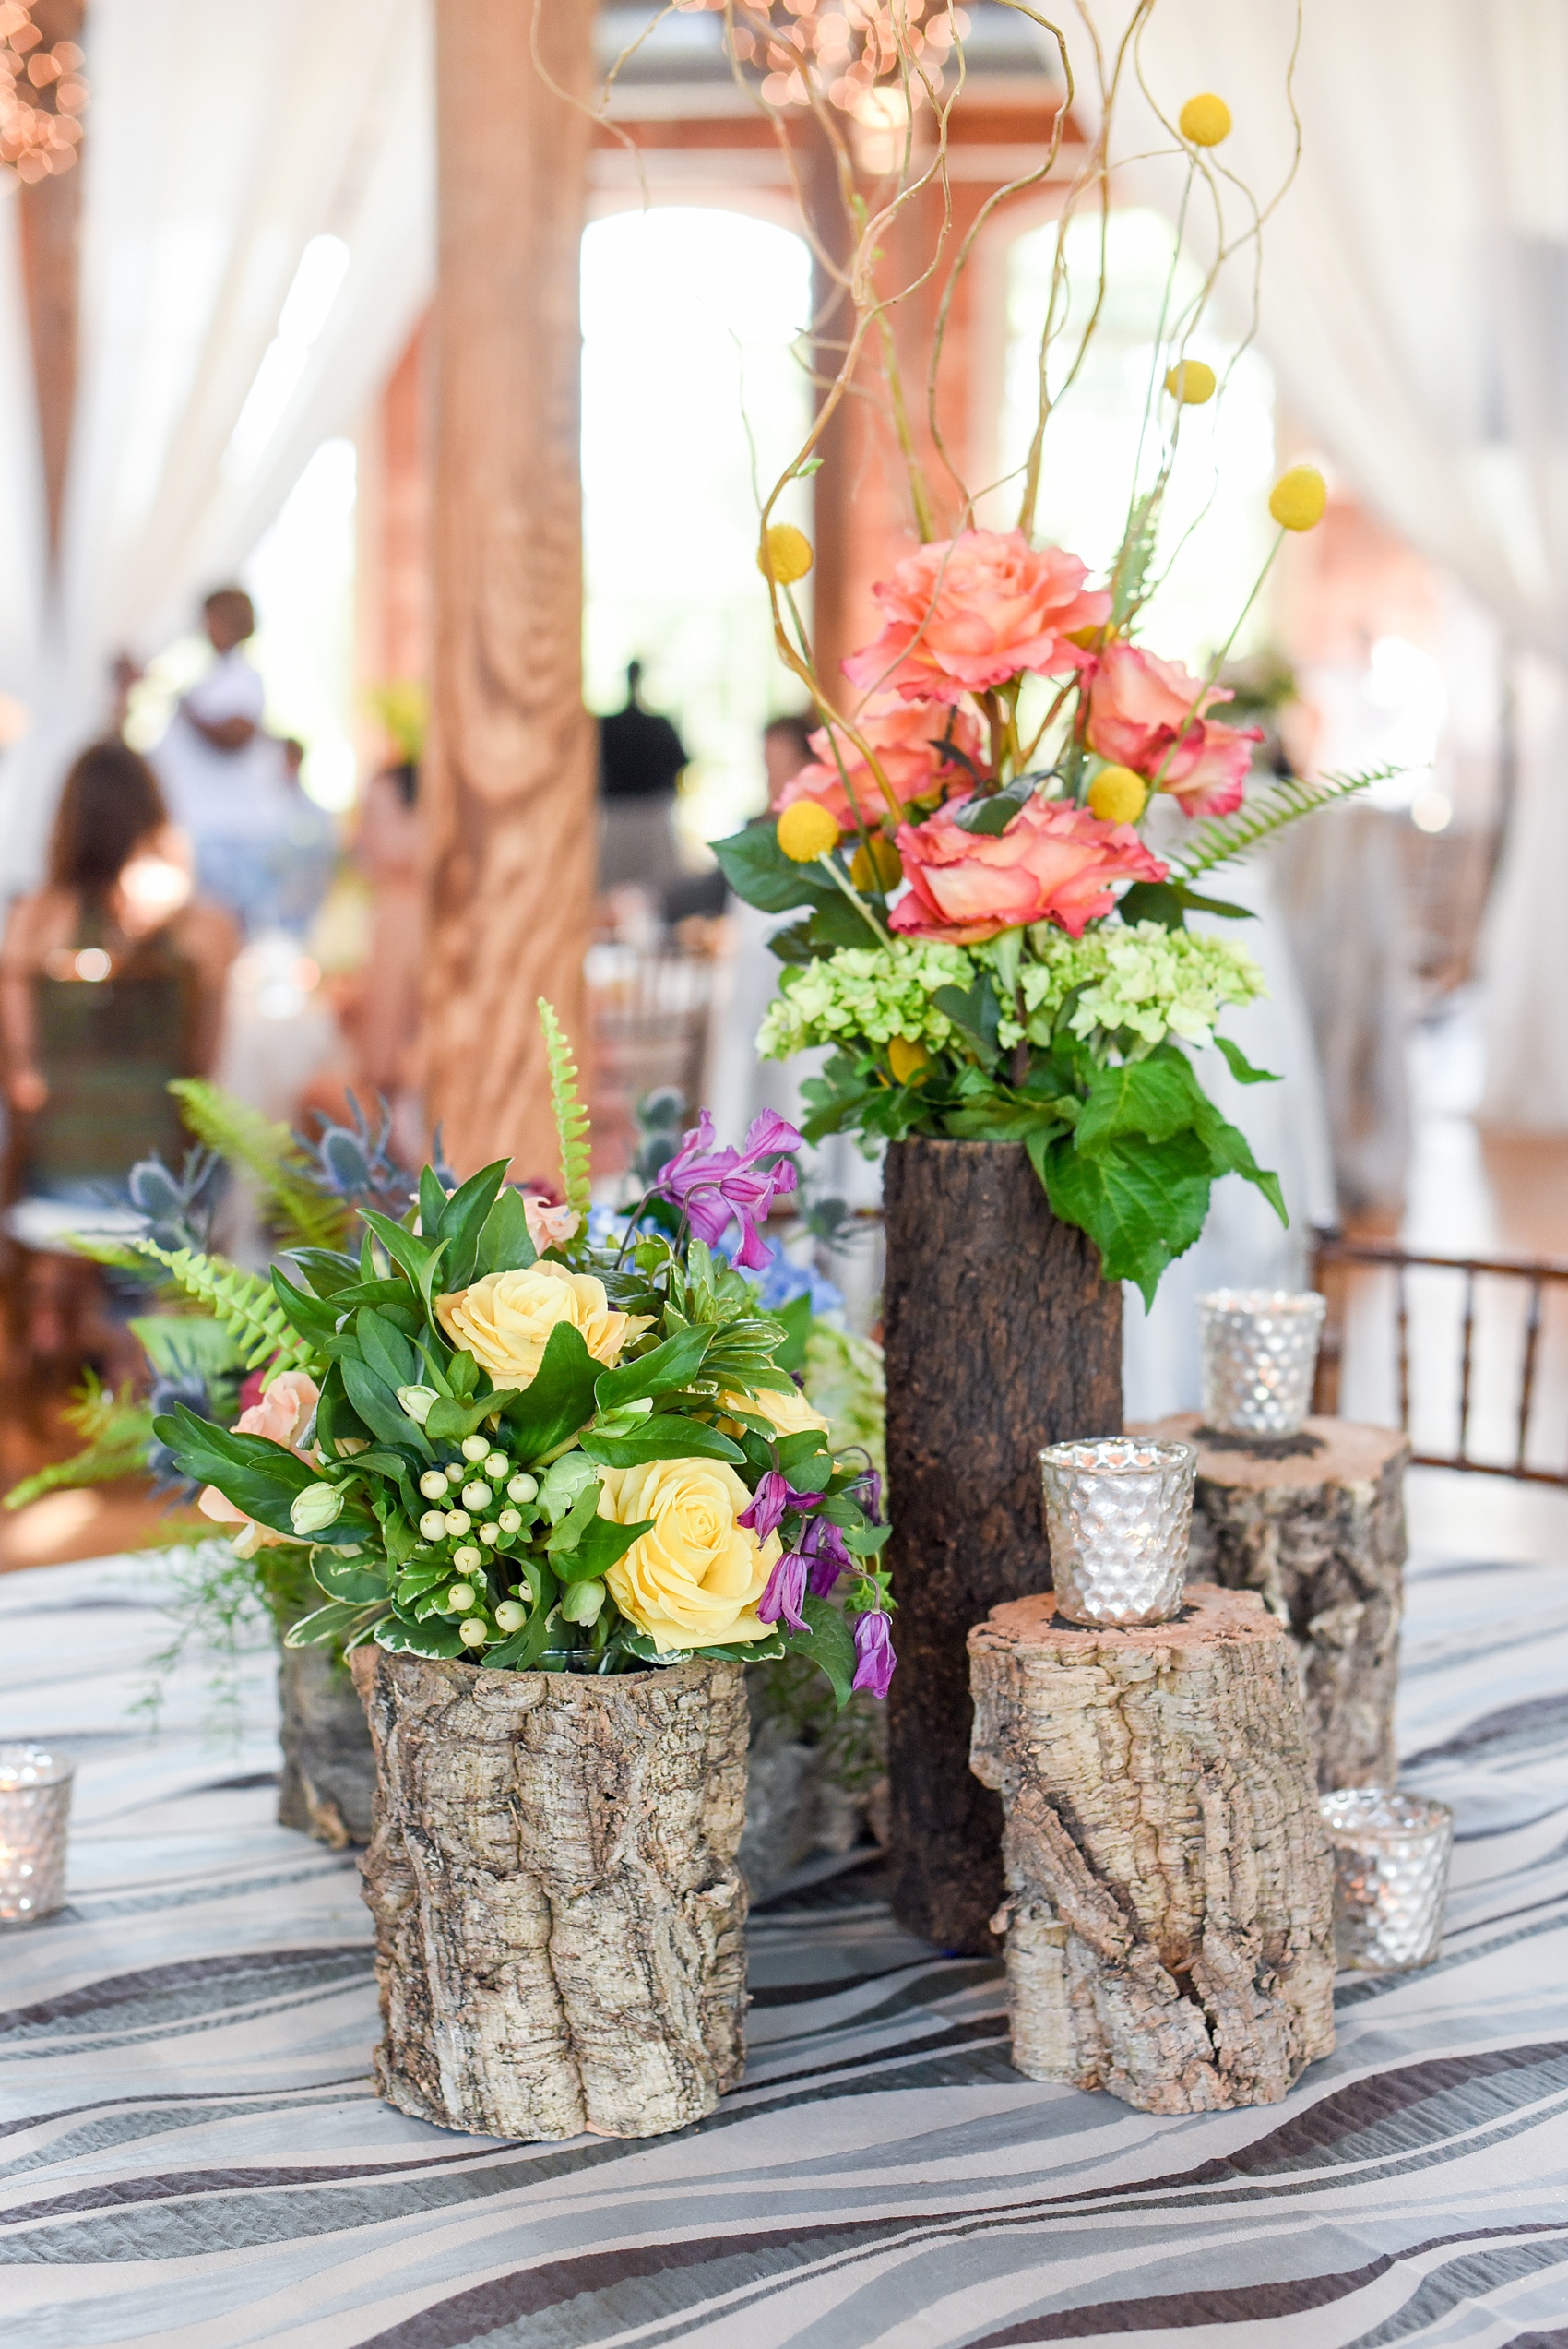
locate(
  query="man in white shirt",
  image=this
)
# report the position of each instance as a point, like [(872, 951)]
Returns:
[(221, 774)]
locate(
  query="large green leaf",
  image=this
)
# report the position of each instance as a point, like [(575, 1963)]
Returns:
[(1230, 1153), (1169, 902), (504, 1243), (350, 1577), (668, 1367), (661, 1437), (599, 1546), (1142, 1204), (830, 1642), (376, 1404), (436, 1636), (451, 1420), (385, 1349), (257, 1475), (1241, 1067), (339, 1623), (559, 1398), (757, 869), (1158, 1097), (463, 1218)]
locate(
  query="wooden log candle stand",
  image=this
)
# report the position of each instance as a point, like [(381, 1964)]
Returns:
[(1315, 1524), (1170, 1911), (559, 1920)]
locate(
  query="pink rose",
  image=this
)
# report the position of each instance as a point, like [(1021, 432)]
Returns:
[(282, 1416), (1136, 703), (969, 613), (1054, 863), (903, 734), (550, 1226)]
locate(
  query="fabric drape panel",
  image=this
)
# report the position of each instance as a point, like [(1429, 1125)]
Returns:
[(220, 141)]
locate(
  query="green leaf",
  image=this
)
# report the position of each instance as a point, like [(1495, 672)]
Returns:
[(464, 1218), (664, 1370), (341, 1623), (1157, 1097), (1285, 801), (385, 1349), (599, 1546), (326, 1270), (350, 1577), (1142, 1204), (569, 1530), (258, 1476), (1236, 1060), (830, 1642), (503, 1241), (757, 869), (797, 1318), (1230, 1153), (174, 1342), (661, 1437), (313, 1319), (450, 1421), (1169, 902), (523, 1650), (376, 1404), (437, 1636), (432, 1203), (976, 1014), (988, 813), (558, 1400)]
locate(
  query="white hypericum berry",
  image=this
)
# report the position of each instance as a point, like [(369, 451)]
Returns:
[(476, 1495), (495, 1467), (455, 1472), (510, 1616), (460, 1596), (490, 1533), (509, 1520), (475, 1447), (432, 1524), (523, 1488), (466, 1558), (473, 1634), (433, 1485), (458, 1520)]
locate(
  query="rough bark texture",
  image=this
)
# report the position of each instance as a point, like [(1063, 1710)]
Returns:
[(1322, 1540), (508, 787), (329, 1782), (1170, 1912), (559, 1920), (1001, 1337)]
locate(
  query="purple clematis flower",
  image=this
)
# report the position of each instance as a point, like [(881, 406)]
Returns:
[(774, 1494), (822, 1545), (715, 1186), (785, 1588), (868, 1492), (873, 1650)]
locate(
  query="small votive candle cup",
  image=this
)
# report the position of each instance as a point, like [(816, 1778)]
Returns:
[(35, 1807), (1391, 1854), (1118, 1513), (1259, 1350)]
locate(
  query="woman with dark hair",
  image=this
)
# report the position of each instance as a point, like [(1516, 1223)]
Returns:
[(111, 983)]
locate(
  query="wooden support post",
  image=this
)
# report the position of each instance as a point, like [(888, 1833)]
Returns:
[(1318, 1530), (1001, 1338), (1170, 1914), (512, 839)]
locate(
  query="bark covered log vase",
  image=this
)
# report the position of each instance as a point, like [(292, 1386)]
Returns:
[(559, 1918), (1001, 1338)]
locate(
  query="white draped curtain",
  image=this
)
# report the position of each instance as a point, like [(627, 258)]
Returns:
[(221, 142)]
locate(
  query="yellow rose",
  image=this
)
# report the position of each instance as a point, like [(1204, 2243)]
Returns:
[(694, 1581), (505, 1320), (787, 1414)]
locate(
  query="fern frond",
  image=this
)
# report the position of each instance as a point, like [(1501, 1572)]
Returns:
[(242, 1302), (103, 1462), (309, 1216), (1222, 840), (572, 1124)]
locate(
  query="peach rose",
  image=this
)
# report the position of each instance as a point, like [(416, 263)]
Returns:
[(1054, 863), (550, 1226), (904, 735), (1136, 703), (969, 613), (282, 1416), (504, 1320)]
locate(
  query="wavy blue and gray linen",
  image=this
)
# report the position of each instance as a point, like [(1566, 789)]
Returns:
[(192, 2155)]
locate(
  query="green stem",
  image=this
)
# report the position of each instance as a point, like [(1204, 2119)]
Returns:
[(856, 899)]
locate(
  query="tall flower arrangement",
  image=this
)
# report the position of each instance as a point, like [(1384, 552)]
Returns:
[(988, 937)]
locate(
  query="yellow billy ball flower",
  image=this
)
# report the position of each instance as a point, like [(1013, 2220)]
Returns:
[(906, 1057), (1192, 382), (1298, 498), (1205, 120), (1118, 795), (785, 554), (806, 831), (883, 869)]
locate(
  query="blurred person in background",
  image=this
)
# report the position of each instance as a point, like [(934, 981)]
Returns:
[(641, 758), (223, 776)]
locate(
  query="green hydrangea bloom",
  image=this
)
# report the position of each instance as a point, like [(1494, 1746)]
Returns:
[(1141, 983), (864, 994)]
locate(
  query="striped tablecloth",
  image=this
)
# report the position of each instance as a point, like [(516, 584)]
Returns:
[(192, 2155)]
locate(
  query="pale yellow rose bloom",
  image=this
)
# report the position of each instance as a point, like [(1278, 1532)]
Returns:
[(694, 1581), (787, 1414), (505, 1320)]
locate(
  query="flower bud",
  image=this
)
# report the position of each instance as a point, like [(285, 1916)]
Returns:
[(458, 1520), (1117, 795), (433, 1485), (315, 1508), (523, 1488), (432, 1524), (785, 554), (509, 1520), (580, 1602), (510, 1616), (476, 1495), (882, 868), (495, 1466), (416, 1403), (806, 831), (466, 1558), (1205, 120), (460, 1596), (475, 1447), (473, 1633)]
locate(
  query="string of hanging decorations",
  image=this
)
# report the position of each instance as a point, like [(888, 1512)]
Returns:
[(42, 97)]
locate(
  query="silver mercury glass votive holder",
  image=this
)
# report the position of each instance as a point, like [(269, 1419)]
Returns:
[(1259, 1349), (35, 1807), (1391, 1854), (1118, 1512)]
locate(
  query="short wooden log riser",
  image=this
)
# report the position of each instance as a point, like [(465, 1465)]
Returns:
[(1001, 1337), (327, 1787), (1170, 1895), (559, 1917)]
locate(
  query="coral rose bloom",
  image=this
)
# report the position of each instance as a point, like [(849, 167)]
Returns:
[(505, 1320), (968, 613), (1053, 863), (903, 734), (694, 1579), (1136, 702)]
